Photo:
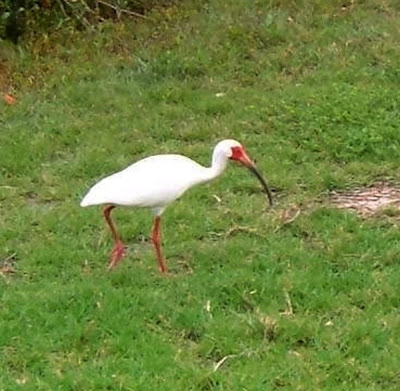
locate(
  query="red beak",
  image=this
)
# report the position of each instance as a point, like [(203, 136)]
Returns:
[(244, 158), (239, 154)]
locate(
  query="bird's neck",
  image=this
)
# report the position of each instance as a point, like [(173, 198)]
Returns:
[(218, 165)]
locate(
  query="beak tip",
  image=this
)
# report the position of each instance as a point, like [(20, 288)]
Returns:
[(254, 170)]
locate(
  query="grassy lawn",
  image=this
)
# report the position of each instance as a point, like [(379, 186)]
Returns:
[(253, 302)]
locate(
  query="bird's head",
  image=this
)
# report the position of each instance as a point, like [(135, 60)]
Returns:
[(234, 150)]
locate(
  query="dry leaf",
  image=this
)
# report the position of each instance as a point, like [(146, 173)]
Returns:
[(10, 99)]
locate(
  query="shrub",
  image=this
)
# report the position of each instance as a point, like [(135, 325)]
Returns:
[(29, 16)]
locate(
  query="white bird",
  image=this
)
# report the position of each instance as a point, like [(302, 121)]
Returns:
[(156, 181)]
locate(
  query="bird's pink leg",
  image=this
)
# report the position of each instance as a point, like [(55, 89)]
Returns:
[(119, 248), (157, 244)]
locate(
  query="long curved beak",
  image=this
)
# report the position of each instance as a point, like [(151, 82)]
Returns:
[(246, 161), (257, 173)]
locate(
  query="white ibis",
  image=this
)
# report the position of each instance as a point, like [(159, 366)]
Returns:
[(156, 181)]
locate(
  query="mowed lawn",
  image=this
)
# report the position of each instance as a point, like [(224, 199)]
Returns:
[(256, 299)]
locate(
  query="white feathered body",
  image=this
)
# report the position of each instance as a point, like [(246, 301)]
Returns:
[(152, 182)]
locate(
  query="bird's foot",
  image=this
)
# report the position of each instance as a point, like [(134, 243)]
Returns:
[(117, 254), (162, 265)]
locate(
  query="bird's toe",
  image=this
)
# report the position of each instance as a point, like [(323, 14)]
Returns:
[(117, 254)]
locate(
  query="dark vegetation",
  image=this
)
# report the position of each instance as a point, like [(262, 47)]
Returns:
[(22, 17)]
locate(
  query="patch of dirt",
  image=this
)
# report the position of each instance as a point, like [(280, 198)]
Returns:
[(368, 201), (7, 264)]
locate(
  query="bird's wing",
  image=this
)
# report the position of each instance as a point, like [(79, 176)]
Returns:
[(151, 182)]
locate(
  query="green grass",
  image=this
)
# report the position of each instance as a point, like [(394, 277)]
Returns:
[(312, 91)]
